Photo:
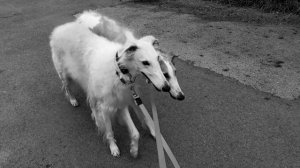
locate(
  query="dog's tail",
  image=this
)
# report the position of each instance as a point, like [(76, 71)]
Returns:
[(105, 26), (89, 18)]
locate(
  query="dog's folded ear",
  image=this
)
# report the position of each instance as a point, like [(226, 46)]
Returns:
[(131, 49), (128, 50), (173, 56), (162, 64), (152, 40)]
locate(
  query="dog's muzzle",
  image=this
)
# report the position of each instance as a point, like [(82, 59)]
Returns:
[(180, 96), (166, 87)]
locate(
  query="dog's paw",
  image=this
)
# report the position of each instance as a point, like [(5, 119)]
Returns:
[(114, 150), (74, 102), (134, 146), (115, 153), (134, 152)]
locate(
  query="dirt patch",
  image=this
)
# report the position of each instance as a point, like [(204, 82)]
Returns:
[(213, 11), (265, 56), (1, 70), (9, 10)]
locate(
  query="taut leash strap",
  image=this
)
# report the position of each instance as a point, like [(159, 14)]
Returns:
[(164, 143), (160, 149), (139, 103)]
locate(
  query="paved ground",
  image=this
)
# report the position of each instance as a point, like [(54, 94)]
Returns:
[(222, 123), (254, 50)]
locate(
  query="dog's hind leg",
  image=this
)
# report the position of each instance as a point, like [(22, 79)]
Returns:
[(58, 64), (69, 96), (134, 134)]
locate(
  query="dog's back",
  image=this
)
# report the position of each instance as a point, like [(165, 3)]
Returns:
[(98, 64), (105, 27), (110, 29), (76, 51)]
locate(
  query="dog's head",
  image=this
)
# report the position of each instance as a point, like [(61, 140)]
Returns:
[(140, 56), (169, 71)]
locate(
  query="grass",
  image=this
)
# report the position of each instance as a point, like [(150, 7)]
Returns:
[(287, 6)]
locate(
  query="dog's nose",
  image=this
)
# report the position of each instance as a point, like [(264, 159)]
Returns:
[(180, 96), (166, 88)]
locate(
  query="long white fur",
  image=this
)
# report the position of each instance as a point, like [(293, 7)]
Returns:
[(89, 59), (104, 26), (112, 30)]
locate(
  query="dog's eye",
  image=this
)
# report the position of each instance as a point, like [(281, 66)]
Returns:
[(146, 63), (124, 70), (167, 76)]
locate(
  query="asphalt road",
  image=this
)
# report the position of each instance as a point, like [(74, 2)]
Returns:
[(221, 123)]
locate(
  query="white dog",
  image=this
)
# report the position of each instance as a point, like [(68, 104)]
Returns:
[(103, 69), (112, 30)]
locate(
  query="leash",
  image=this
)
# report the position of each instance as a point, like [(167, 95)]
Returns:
[(159, 137), (160, 149), (127, 79)]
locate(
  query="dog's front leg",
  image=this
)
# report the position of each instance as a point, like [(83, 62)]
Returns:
[(103, 119), (134, 133), (109, 135), (146, 123)]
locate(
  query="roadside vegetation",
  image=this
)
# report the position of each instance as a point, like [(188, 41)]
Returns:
[(287, 6)]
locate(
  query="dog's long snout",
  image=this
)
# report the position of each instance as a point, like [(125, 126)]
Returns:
[(166, 87), (180, 96)]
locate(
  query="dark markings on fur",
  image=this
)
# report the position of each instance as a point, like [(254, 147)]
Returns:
[(146, 63), (122, 80), (106, 29), (167, 76), (117, 57), (155, 43), (132, 48), (124, 70)]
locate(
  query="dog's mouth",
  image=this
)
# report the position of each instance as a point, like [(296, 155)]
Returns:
[(180, 97), (149, 81), (173, 96)]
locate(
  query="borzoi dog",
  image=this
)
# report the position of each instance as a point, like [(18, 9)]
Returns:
[(103, 68), (112, 30)]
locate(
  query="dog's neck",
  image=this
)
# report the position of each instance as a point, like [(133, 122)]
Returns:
[(123, 74)]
